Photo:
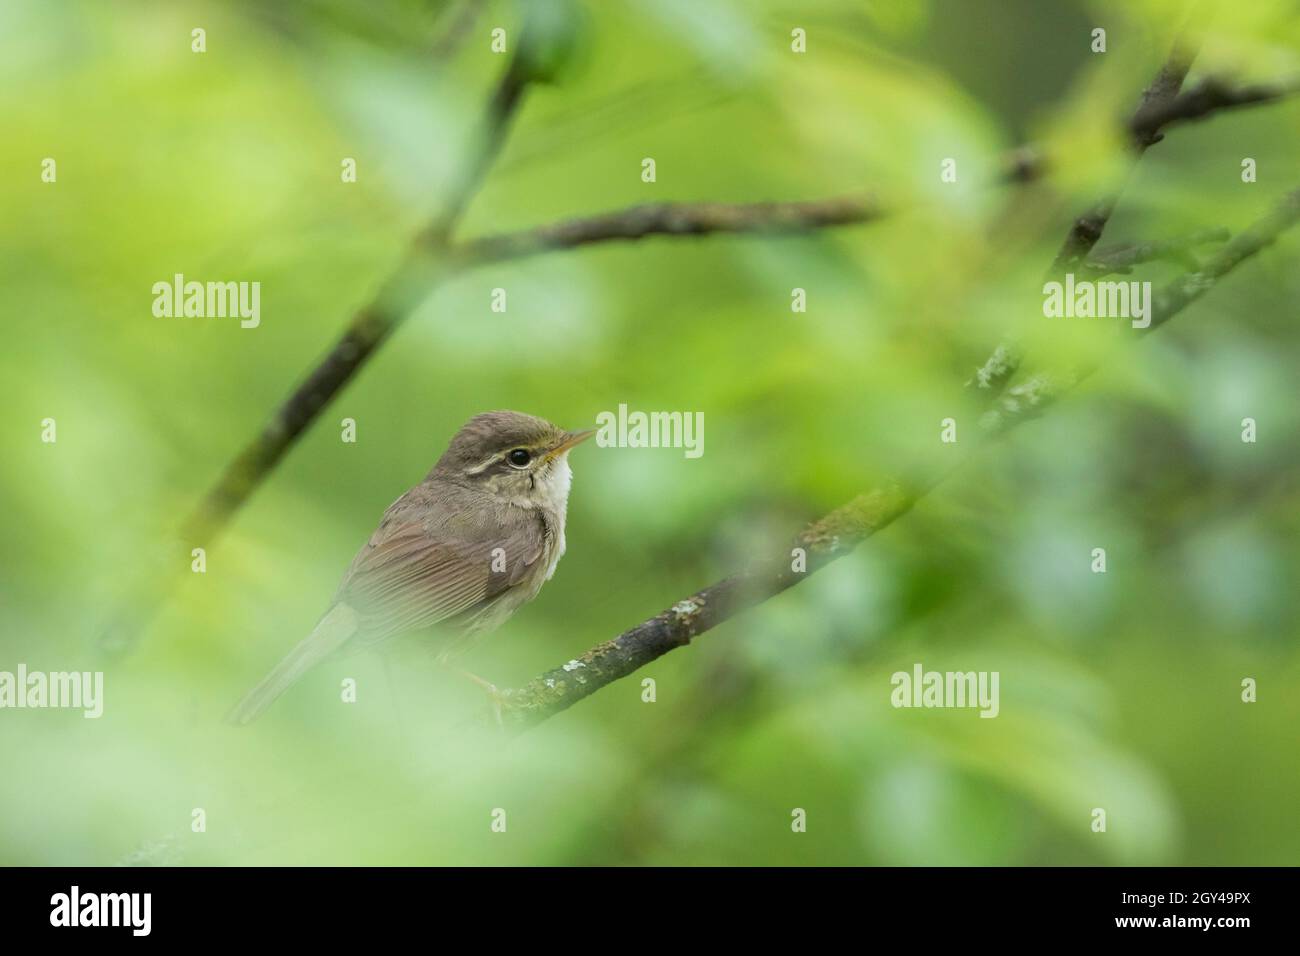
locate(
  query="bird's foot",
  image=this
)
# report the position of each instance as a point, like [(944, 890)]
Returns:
[(494, 696)]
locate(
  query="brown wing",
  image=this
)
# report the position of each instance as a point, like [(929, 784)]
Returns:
[(407, 578)]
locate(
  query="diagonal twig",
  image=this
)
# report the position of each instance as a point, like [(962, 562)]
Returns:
[(1207, 97), (1122, 257), (1084, 233)]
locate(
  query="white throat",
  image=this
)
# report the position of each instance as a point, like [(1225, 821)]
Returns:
[(554, 488)]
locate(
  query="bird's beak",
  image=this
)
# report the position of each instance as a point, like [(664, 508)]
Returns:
[(570, 439)]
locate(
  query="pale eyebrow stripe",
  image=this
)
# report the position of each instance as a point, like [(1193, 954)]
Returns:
[(477, 469), (501, 456)]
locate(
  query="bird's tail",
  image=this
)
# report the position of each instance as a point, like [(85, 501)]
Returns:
[(338, 624)]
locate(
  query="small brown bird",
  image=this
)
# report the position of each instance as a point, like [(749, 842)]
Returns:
[(457, 554)]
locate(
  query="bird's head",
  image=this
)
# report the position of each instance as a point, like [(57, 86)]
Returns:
[(516, 457)]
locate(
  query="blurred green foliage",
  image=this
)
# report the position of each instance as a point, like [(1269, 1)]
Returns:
[(1119, 690)]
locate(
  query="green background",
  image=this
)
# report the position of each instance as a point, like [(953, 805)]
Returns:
[(1119, 690)]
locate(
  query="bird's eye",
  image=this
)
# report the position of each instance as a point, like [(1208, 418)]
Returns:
[(520, 457)]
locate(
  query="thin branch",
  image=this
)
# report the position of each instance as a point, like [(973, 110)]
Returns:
[(845, 528), (368, 328), (460, 24), (1121, 258), (832, 537), (1086, 230), (1189, 287), (1024, 164), (1207, 97), (1084, 233), (672, 219), (501, 110)]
